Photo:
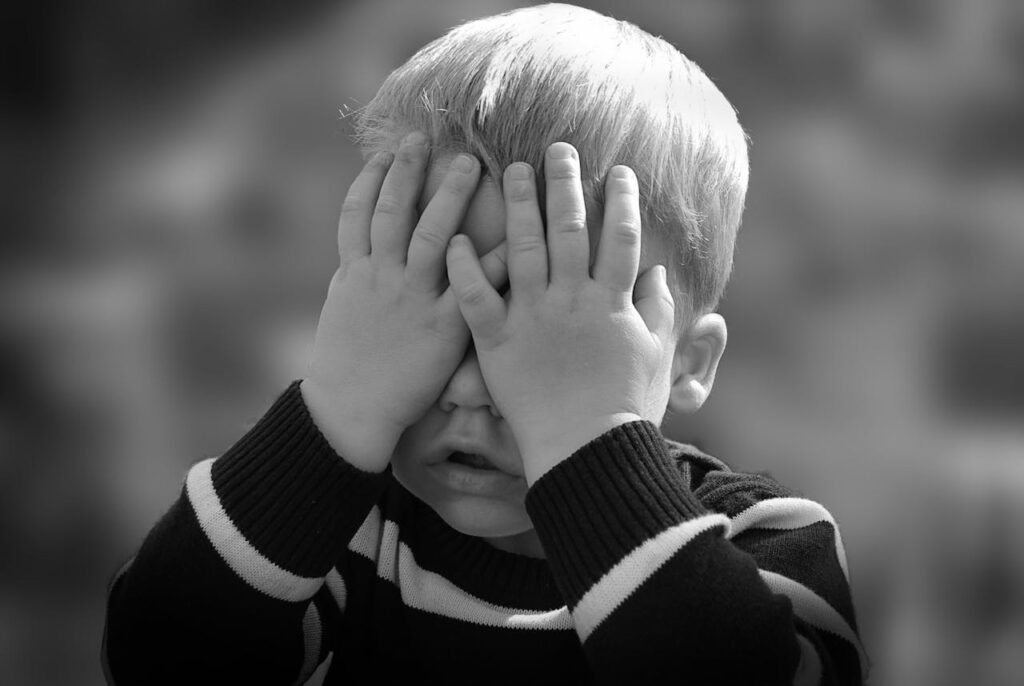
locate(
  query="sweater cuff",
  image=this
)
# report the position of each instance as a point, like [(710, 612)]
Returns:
[(609, 497), (288, 494)]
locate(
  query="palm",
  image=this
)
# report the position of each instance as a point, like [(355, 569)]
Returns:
[(391, 333)]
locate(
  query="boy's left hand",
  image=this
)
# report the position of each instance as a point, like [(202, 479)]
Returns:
[(572, 354)]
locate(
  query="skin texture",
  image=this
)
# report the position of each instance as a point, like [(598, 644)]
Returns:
[(572, 354), (390, 333), (407, 367)]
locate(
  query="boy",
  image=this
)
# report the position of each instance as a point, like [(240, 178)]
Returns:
[(470, 485)]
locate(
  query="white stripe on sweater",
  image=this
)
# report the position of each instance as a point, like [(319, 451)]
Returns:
[(789, 513), (317, 679), (808, 672), (366, 540), (815, 610), (634, 569), (247, 562), (430, 592), (311, 641), (336, 585)]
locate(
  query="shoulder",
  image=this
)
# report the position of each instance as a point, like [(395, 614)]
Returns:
[(717, 486)]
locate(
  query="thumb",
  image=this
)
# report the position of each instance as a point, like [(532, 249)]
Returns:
[(653, 300)]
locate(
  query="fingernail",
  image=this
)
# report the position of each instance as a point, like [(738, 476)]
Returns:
[(415, 138), (561, 151), (620, 171), (464, 163), (519, 171), (383, 158)]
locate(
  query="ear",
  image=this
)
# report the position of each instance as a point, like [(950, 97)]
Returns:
[(695, 362)]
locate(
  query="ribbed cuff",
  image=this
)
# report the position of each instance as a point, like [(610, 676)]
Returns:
[(290, 495), (611, 495)]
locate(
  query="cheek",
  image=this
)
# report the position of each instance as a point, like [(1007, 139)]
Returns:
[(659, 391)]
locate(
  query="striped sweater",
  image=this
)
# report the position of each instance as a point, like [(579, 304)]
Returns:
[(282, 564)]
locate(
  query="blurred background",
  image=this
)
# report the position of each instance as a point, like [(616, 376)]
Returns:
[(172, 175)]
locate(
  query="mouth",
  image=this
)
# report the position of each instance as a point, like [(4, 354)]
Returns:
[(473, 473), (474, 460)]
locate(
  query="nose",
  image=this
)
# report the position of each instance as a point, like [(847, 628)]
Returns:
[(466, 389)]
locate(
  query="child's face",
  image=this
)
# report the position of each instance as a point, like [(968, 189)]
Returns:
[(489, 502)]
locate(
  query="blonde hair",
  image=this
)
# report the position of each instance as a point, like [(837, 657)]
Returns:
[(505, 87)]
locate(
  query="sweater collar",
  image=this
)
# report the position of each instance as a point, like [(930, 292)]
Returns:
[(507, 579)]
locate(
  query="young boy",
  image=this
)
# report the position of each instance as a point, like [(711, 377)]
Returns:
[(470, 484)]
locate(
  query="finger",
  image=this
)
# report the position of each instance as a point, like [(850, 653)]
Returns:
[(395, 212), (481, 306), (568, 243), (618, 253), (653, 300), (495, 266), (357, 210), (425, 264), (524, 228)]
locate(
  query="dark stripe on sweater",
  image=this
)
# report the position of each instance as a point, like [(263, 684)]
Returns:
[(613, 494), (806, 555), (289, 494), (736, 631), (379, 628), (840, 660), (179, 589), (474, 565), (731, 493)]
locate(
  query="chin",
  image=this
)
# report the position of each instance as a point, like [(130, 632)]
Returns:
[(482, 517)]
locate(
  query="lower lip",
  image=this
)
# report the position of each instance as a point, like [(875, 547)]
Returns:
[(459, 477)]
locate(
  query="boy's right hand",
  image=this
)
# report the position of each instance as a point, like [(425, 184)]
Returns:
[(391, 334)]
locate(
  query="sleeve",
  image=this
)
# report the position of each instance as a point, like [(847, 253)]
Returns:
[(229, 586), (658, 584)]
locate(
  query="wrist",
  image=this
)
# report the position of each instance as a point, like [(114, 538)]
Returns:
[(363, 440), (544, 445)]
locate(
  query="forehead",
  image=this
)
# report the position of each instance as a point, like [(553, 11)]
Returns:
[(484, 221)]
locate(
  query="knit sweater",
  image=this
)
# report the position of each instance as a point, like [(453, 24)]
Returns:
[(281, 563)]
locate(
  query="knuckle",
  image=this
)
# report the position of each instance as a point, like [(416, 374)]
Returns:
[(626, 233), (573, 222), (473, 295), (527, 244), (388, 206), (430, 236), (353, 206)]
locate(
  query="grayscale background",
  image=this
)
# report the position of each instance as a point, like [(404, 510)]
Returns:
[(172, 175)]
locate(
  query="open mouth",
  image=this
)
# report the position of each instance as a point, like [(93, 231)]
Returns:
[(476, 474), (472, 460)]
